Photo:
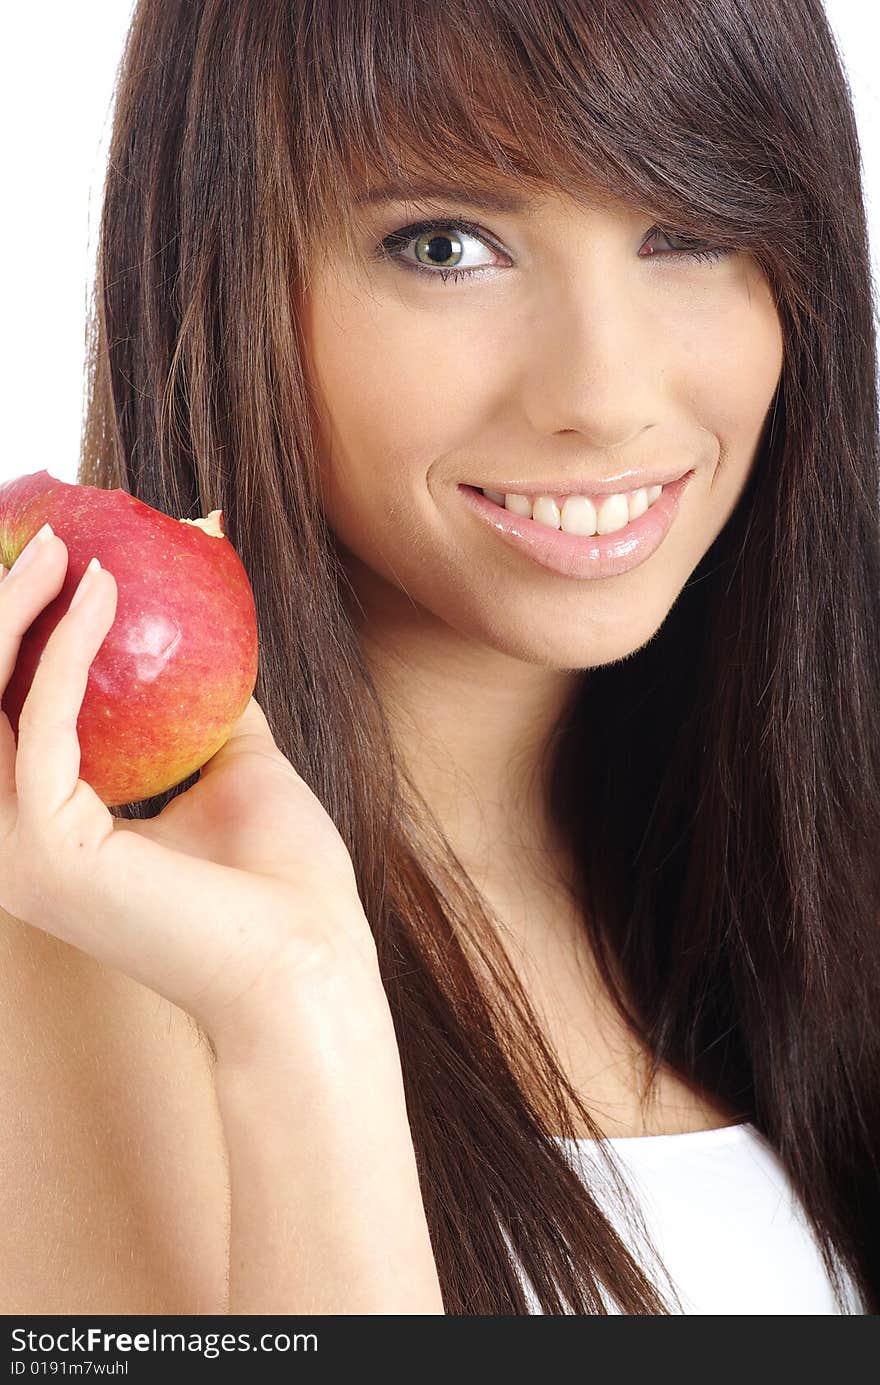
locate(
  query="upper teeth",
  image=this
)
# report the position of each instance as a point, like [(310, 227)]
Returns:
[(578, 514)]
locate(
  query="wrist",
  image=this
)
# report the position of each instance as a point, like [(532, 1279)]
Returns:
[(309, 1013)]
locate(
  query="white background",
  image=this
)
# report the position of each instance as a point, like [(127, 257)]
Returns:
[(57, 73)]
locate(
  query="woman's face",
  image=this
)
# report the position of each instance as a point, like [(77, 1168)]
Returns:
[(577, 355)]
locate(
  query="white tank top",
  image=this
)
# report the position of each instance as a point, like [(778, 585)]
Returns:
[(724, 1218)]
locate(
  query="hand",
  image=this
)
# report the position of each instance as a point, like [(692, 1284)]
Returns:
[(241, 886)]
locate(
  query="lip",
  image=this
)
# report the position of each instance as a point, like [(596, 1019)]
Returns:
[(580, 556), (616, 485)]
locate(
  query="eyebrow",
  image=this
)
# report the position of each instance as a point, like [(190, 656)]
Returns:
[(490, 198)]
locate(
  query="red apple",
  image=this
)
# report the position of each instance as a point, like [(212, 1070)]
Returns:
[(179, 663)]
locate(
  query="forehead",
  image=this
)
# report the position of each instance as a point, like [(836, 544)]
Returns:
[(508, 198), (503, 198), (504, 177), (496, 199)]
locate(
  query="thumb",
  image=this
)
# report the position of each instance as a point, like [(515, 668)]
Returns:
[(251, 734)]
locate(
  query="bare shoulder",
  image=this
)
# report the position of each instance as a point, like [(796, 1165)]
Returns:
[(114, 1187)]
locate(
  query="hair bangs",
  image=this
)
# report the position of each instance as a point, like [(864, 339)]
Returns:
[(541, 102)]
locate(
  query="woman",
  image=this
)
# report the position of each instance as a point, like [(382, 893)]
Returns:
[(556, 879)]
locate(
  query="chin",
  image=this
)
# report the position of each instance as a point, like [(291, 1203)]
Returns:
[(587, 630)]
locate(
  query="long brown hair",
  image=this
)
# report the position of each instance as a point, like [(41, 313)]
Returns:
[(730, 884)]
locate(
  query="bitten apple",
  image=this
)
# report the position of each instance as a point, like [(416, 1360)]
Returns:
[(179, 663)]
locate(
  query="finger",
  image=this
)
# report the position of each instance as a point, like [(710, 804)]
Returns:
[(48, 759), (24, 593)]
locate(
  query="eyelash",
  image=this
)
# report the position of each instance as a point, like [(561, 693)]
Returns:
[(392, 246)]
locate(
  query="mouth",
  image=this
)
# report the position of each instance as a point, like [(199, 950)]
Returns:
[(583, 513), (577, 539)]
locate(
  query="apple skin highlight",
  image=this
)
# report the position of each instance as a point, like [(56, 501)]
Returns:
[(179, 663)]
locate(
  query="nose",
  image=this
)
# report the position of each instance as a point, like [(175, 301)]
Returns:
[(591, 371)]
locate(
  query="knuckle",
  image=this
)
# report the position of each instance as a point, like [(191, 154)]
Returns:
[(34, 719)]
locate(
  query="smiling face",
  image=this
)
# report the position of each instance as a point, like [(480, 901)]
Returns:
[(558, 341)]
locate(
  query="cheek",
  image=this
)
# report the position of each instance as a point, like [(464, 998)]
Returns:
[(730, 359), (379, 421), (389, 411), (355, 367)]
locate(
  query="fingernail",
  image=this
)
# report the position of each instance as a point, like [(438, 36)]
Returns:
[(32, 549), (85, 583)]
